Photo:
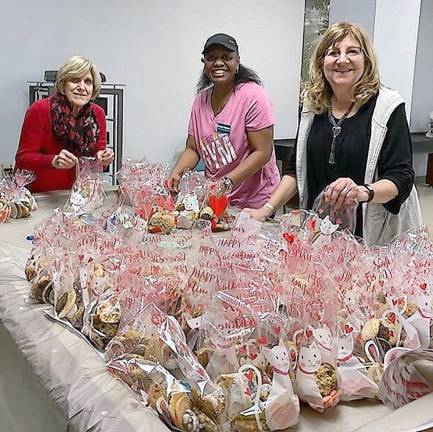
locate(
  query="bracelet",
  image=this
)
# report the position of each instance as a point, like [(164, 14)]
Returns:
[(269, 206)]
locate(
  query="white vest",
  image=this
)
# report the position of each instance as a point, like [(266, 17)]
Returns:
[(379, 225)]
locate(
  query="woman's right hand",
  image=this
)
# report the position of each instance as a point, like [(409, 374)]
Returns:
[(173, 181), (260, 214), (64, 160)]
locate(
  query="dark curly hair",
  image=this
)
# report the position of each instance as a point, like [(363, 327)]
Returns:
[(243, 75)]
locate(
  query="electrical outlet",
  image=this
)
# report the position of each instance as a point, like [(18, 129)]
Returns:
[(6, 168)]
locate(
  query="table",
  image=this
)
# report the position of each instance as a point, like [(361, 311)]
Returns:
[(52, 380)]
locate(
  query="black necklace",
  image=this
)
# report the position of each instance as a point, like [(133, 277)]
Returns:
[(336, 129)]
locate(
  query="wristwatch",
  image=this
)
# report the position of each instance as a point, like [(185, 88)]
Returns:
[(228, 184), (370, 192)]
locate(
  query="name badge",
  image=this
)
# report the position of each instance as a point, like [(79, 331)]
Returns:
[(223, 129)]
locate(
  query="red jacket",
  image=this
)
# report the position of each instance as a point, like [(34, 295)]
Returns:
[(38, 146)]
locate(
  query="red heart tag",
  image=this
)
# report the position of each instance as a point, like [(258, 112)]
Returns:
[(312, 224), (423, 286), (262, 340), (218, 203), (253, 356), (277, 330), (81, 257), (289, 237), (391, 317), (249, 375), (308, 333), (348, 329)]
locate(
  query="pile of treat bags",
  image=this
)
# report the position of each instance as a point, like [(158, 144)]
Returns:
[(232, 331), (16, 201)]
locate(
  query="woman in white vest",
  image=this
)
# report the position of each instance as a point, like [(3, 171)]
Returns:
[(353, 138)]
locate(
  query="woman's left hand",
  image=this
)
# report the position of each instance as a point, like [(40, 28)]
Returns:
[(344, 192), (105, 156)]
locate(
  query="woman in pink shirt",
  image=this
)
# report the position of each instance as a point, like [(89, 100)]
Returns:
[(231, 128)]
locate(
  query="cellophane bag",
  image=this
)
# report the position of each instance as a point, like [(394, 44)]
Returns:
[(87, 192), (317, 379), (161, 341), (408, 376), (190, 199), (68, 302), (143, 183), (332, 219), (16, 201), (170, 398), (101, 319)]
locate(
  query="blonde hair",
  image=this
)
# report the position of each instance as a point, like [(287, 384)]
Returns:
[(318, 91), (76, 67)]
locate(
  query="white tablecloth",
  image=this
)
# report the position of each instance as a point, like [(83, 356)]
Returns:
[(51, 380)]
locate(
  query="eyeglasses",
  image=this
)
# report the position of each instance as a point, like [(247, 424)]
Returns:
[(351, 52)]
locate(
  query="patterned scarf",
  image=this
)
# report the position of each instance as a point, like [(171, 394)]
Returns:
[(79, 134)]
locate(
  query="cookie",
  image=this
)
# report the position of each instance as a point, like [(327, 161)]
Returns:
[(326, 379), (109, 311), (411, 308), (65, 303), (179, 403), (206, 213), (5, 211), (213, 404), (39, 284), (162, 222), (370, 329)]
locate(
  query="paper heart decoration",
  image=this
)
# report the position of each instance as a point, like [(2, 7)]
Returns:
[(391, 317), (308, 333), (423, 286), (311, 224), (262, 340), (289, 237), (249, 375), (348, 329), (253, 356), (277, 330), (81, 257), (293, 356)]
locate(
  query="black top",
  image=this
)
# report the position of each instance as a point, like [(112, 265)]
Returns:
[(351, 151)]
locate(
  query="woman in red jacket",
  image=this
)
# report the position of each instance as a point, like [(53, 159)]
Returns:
[(58, 130)]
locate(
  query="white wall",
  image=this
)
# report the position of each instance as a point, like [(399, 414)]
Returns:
[(362, 12), (153, 46), (395, 40), (422, 100)]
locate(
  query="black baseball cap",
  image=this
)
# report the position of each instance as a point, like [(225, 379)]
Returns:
[(223, 39)]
